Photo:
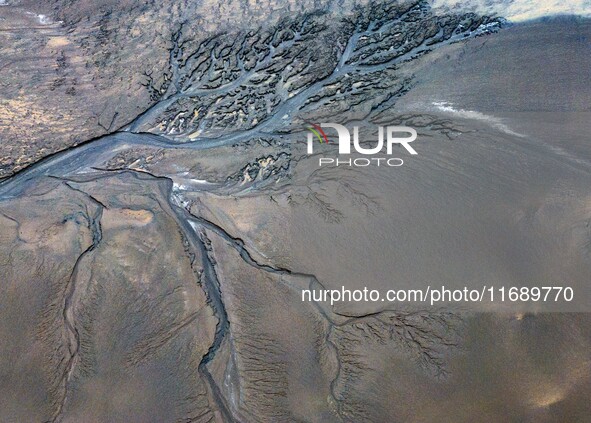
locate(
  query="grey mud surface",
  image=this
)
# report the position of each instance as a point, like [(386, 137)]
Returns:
[(153, 256)]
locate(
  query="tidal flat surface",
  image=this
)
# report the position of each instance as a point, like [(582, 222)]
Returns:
[(155, 242)]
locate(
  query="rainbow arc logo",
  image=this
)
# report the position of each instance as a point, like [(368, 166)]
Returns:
[(320, 134)]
